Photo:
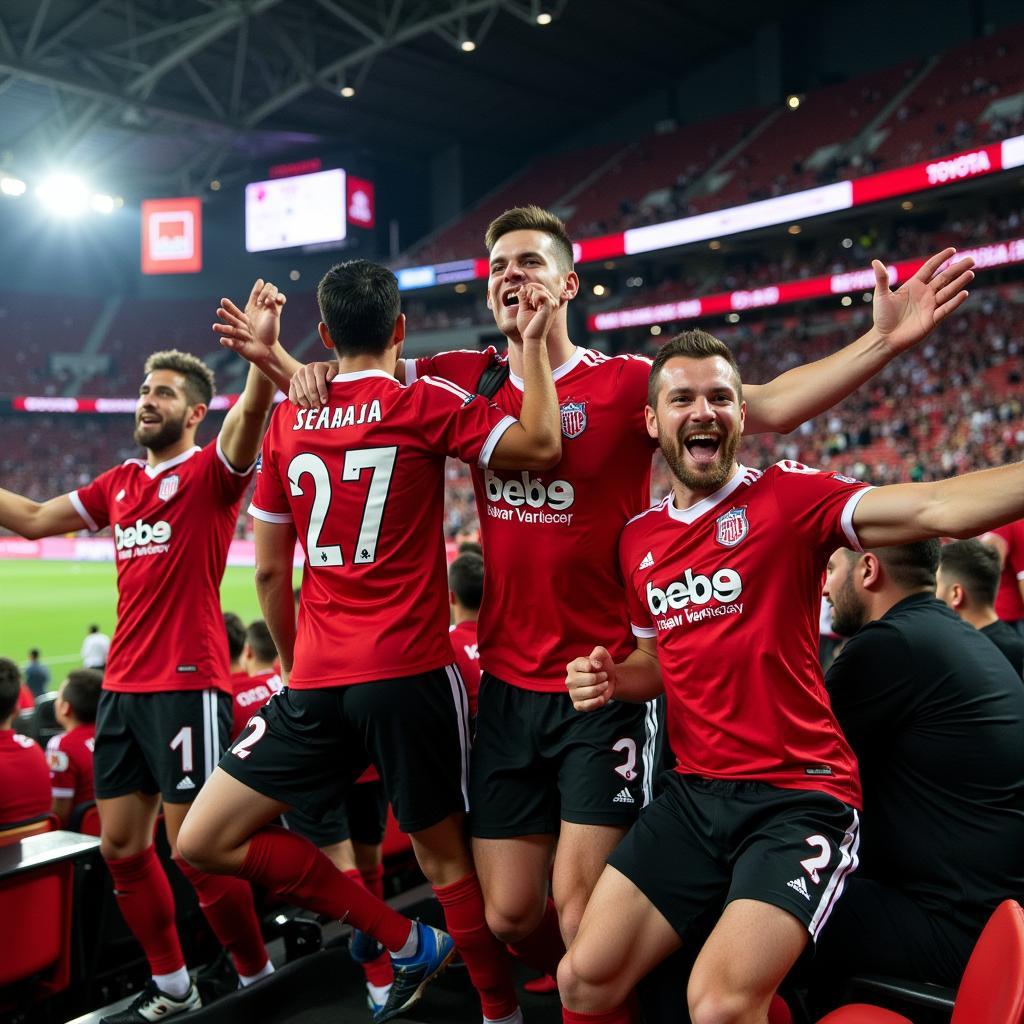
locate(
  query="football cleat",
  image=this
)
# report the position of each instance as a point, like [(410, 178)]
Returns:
[(151, 1004), (414, 973)]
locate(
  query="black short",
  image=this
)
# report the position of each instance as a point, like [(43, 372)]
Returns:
[(165, 743), (362, 818), (306, 748), (537, 761), (706, 842)]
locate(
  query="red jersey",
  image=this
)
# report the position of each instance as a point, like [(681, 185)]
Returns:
[(1009, 603), (561, 525), (249, 694), (24, 780), (26, 702), (467, 658), (731, 588), (172, 524), (69, 756), (363, 481)]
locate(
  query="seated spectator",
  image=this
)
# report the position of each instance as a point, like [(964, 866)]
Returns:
[(235, 629), (465, 592), (935, 715), (37, 675), (262, 676), (69, 754), (95, 648), (967, 582), (24, 777)]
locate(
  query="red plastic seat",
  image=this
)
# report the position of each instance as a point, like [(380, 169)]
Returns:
[(44, 823), (992, 988)]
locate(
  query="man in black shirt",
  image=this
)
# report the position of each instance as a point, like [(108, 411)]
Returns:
[(967, 582), (935, 715)]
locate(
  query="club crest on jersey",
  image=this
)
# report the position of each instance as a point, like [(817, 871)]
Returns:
[(574, 419), (168, 487), (732, 527)]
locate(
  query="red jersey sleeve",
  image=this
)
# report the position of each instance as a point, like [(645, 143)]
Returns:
[(269, 500), (462, 367), (634, 374), (232, 482), (92, 502), (818, 506), (455, 422), (640, 620), (63, 774)]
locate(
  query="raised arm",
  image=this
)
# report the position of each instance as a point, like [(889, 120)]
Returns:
[(535, 442), (275, 544), (35, 519), (252, 333), (902, 319), (595, 680), (963, 506)]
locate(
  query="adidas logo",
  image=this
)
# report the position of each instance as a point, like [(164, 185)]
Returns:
[(120, 495), (624, 797), (648, 561), (186, 783), (800, 886)]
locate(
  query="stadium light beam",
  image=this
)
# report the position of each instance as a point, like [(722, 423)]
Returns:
[(64, 195), (12, 186), (102, 203)]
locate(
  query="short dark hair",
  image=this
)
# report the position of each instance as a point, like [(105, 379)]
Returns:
[(975, 566), (199, 387), (911, 566), (470, 547), (692, 344), (235, 629), (33, 652), (533, 218), (466, 580), (258, 637), (10, 688), (81, 690), (359, 303)]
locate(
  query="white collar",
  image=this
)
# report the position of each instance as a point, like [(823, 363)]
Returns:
[(556, 374), (695, 511), (154, 471), (344, 378)]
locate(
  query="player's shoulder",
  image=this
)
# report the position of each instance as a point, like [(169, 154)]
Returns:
[(645, 521), (434, 389), (790, 468)]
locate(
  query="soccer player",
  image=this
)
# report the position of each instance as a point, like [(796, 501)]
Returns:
[(540, 773), (1008, 540), (723, 583), (24, 777), (465, 592), (368, 667), (164, 713), (69, 754)]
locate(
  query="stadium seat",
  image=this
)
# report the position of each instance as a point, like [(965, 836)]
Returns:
[(992, 988), (85, 818), (45, 721), (44, 823)]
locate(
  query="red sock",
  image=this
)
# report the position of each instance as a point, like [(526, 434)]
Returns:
[(779, 1012), (144, 896), (377, 972), (373, 879), (227, 905), (620, 1015), (486, 962), (543, 948), (294, 868)]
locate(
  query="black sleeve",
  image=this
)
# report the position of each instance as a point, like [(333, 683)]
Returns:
[(871, 685)]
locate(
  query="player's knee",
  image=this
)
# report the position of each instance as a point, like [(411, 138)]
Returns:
[(584, 986), (715, 1004), (511, 923), (198, 846), (117, 846)]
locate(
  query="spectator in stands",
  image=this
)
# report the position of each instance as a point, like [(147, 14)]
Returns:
[(235, 629), (967, 581), (935, 715), (37, 675), (465, 592), (69, 754), (95, 648), (261, 679), (24, 777)]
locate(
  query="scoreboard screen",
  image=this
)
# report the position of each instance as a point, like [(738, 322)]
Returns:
[(307, 209)]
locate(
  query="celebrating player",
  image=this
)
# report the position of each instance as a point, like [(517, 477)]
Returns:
[(556, 774), (368, 666), (723, 587), (164, 714)]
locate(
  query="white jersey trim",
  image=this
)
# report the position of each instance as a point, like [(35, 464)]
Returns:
[(847, 518), (1020, 575), (650, 747), (154, 471), (644, 632), (496, 434), (62, 794), (270, 517), (80, 509), (343, 378), (690, 515), (231, 469), (558, 372), (461, 702)]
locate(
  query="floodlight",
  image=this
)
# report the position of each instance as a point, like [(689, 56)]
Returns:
[(12, 186), (64, 194)]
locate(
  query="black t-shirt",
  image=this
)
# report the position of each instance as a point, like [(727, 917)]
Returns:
[(1009, 641), (935, 715)]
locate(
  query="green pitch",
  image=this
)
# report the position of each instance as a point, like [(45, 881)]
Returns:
[(50, 605)]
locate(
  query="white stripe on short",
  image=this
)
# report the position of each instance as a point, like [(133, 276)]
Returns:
[(650, 747), (847, 864), (461, 702)]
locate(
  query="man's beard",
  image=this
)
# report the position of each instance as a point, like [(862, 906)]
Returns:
[(715, 475), (848, 611), (170, 432)]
